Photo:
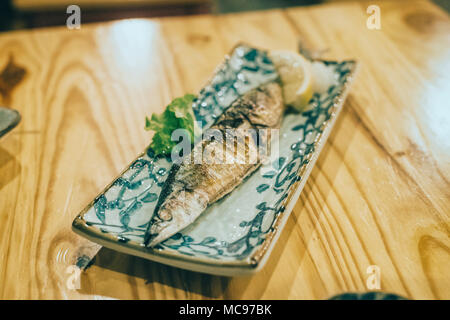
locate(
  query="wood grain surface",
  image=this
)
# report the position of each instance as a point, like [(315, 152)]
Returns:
[(378, 195)]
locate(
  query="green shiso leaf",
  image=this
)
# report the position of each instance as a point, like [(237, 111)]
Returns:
[(178, 115)]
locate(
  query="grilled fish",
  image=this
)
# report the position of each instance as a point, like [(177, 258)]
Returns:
[(191, 187)]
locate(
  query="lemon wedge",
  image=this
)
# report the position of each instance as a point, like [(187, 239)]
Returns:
[(296, 77)]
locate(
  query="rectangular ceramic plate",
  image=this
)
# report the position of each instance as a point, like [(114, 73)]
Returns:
[(235, 235)]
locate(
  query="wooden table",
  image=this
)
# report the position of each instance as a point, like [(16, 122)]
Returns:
[(379, 194)]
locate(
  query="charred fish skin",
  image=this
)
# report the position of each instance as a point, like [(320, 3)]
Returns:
[(190, 187)]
